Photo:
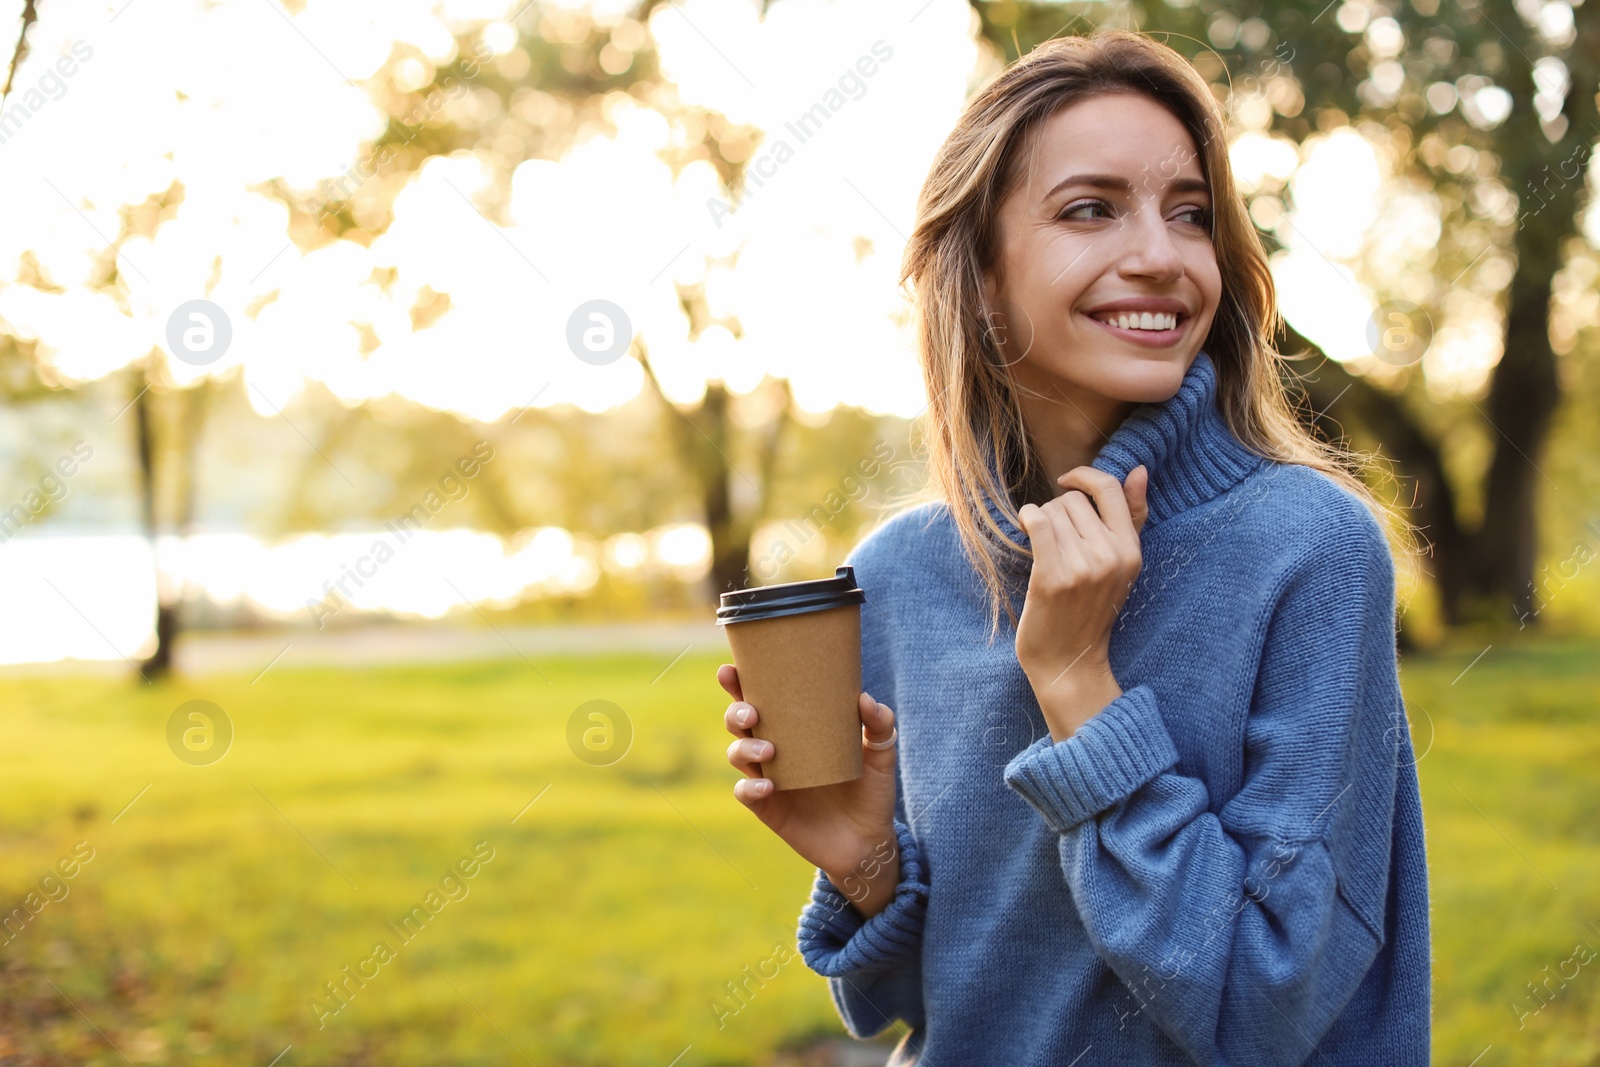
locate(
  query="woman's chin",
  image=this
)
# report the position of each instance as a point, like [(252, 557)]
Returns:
[(1141, 378), (1135, 377)]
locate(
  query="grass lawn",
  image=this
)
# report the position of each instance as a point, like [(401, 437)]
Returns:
[(611, 911)]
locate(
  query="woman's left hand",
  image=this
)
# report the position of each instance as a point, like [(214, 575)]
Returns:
[(1084, 567)]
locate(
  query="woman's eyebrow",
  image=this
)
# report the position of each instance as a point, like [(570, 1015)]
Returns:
[(1099, 181), (1111, 181)]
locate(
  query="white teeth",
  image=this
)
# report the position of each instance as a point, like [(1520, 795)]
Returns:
[(1141, 320)]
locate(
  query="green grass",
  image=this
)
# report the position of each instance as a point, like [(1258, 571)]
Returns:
[(614, 909), (1513, 821)]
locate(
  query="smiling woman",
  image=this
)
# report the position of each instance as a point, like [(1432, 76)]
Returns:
[(1112, 268), (1201, 838)]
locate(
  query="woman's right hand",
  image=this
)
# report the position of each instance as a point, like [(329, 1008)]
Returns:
[(845, 829)]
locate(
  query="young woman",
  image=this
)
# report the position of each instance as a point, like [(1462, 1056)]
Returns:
[(1172, 817)]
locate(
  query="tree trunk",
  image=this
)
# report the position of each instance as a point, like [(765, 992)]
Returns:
[(730, 552), (1522, 402), (703, 440), (181, 453), (159, 664), (1525, 389)]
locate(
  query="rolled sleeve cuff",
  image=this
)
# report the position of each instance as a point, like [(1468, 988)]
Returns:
[(1111, 755), (836, 940)]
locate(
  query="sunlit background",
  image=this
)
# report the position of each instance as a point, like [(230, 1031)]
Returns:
[(190, 150)]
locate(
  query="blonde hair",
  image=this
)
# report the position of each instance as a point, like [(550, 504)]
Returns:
[(975, 419)]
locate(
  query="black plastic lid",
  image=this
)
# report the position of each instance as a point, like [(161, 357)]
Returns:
[(791, 598)]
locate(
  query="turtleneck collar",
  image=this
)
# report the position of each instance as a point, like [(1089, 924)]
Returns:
[(1183, 442)]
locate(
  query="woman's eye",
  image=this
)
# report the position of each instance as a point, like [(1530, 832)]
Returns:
[(1077, 211), (1200, 216)]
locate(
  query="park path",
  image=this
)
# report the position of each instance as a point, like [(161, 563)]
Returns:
[(206, 653)]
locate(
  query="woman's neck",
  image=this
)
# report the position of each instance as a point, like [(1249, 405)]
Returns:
[(1069, 428)]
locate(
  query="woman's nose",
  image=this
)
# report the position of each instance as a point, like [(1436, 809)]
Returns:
[(1150, 251)]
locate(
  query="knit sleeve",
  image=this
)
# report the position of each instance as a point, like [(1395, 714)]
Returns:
[(1243, 934), (873, 966)]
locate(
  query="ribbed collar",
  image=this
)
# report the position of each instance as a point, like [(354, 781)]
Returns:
[(1183, 442)]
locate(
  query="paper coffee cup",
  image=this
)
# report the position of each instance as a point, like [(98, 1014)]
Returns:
[(797, 647)]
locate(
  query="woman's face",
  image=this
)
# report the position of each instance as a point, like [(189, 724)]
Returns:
[(1112, 220)]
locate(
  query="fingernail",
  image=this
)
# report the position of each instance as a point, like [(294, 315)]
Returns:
[(742, 716), (870, 698), (760, 786)]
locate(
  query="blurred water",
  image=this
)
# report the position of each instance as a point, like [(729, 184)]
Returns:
[(93, 596)]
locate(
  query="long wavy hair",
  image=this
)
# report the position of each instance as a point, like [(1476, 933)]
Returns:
[(974, 418)]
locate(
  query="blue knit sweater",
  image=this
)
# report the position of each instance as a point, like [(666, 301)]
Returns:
[(1225, 865)]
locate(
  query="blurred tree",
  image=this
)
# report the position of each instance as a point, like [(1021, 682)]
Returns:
[(532, 101), (704, 438), (162, 456), (1494, 109), (30, 15), (733, 499), (168, 426), (164, 441)]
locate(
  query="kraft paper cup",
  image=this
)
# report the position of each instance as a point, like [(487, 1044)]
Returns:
[(797, 648)]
